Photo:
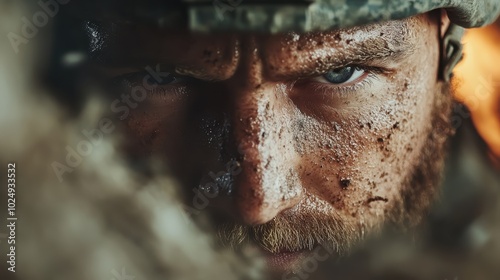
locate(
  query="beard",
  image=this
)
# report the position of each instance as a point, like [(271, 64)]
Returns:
[(306, 230)]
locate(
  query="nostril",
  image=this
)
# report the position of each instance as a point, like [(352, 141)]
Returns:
[(222, 182), (225, 181)]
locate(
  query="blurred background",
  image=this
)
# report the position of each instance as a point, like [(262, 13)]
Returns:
[(478, 85), (105, 221)]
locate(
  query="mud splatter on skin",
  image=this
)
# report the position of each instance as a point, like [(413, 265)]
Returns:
[(302, 139), (367, 137)]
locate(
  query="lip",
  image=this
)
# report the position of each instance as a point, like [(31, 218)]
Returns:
[(284, 261)]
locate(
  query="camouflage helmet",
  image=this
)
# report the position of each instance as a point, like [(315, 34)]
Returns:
[(308, 15), (288, 15)]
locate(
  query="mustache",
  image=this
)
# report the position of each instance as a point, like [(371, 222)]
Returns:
[(294, 233)]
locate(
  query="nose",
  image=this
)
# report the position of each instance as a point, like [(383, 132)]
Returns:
[(262, 121)]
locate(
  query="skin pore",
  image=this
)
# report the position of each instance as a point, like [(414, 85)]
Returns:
[(319, 162)]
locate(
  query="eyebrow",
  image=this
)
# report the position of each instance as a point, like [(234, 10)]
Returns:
[(375, 50), (326, 58)]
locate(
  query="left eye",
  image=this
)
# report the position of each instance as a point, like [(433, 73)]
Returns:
[(343, 75)]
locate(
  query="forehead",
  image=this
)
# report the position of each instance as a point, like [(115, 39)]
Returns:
[(285, 53)]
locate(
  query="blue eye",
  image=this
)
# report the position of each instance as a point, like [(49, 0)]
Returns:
[(343, 75)]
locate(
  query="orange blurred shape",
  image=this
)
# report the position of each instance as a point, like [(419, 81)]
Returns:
[(478, 83)]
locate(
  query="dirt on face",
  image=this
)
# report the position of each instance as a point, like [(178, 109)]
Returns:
[(362, 153)]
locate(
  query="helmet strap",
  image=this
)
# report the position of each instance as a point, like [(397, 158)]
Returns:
[(451, 51)]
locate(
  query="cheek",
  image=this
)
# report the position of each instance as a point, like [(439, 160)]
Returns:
[(358, 165), (395, 142), (156, 126)]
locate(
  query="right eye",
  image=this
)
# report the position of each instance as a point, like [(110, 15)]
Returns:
[(155, 84), (344, 75)]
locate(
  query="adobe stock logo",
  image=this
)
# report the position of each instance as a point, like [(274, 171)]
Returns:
[(49, 8)]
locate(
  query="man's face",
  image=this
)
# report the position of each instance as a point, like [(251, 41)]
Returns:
[(290, 140)]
